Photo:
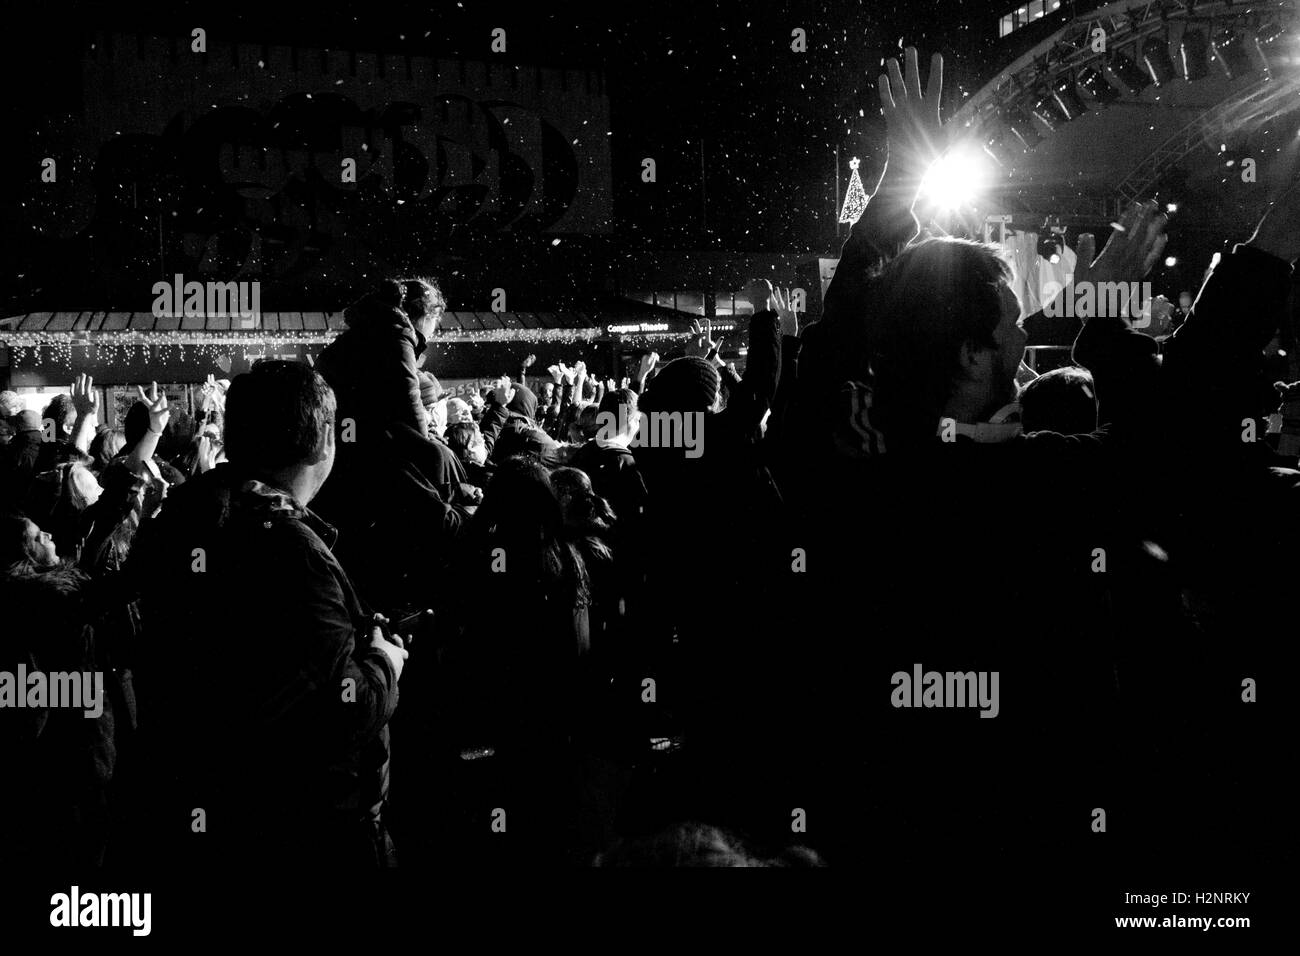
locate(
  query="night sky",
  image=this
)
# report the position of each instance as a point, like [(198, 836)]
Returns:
[(680, 75)]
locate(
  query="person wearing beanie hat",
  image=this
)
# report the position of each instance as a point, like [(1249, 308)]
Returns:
[(20, 456), (27, 420), (430, 389), (661, 535), (687, 384), (10, 404)]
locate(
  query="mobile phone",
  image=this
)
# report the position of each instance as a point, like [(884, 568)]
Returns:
[(403, 625)]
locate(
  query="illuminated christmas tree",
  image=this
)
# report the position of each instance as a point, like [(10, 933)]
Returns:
[(855, 200)]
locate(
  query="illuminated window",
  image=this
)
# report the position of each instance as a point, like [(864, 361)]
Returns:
[(1006, 25)]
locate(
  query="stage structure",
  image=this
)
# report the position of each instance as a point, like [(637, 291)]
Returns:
[(1102, 111)]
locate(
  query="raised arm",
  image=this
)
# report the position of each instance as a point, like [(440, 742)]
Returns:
[(84, 401), (159, 415), (1213, 360), (916, 139)]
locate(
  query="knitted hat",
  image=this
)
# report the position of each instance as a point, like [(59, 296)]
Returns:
[(430, 389), (10, 404), (688, 384), (28, 420), (458, 411)]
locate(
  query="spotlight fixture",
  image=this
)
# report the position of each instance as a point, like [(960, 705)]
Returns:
[(1171, 208), (1067, 97), (1171, 261), (1047, 111), (1023, 128), (1155, 57), (1195, 54), (1094, 84), (997, 148), (1233, 51), (1134, 79)]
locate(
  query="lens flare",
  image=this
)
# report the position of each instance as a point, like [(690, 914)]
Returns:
[(956, 179)]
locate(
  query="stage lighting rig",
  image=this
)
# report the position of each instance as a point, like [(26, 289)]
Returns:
[(1094, 84), (1236, 52), (1195, 55), (1023, 128), (1155, 57), (1067, 97), (1130, 75), (1047, 111)]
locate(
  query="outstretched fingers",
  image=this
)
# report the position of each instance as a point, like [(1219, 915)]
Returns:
[(934, 89)]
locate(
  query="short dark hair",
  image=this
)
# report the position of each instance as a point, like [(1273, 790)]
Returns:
[(616, 398), (460, 436), (135, 424), (1063, 400), (275, 415), (924, 306), (415, 297), (59, 408)]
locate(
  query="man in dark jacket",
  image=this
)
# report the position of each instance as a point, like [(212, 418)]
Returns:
[(608, 460), (18, 459), (286, 760), (510, 427)]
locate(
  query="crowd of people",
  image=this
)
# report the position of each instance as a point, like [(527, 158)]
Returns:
[(616, 653)]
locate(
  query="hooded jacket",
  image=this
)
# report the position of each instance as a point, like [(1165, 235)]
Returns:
[(262, 690), (513, 430), (59, 760)]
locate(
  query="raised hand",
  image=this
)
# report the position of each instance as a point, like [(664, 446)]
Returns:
[(1131, 251), (555, 373), (647, 366), (207, 454), (702, 343), (84, 398), (782, 302), (916, 135), (159, 414), (528, 362)]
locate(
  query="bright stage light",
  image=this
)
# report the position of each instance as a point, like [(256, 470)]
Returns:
[(1171, 208), (955, 179), (1171, 261)]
